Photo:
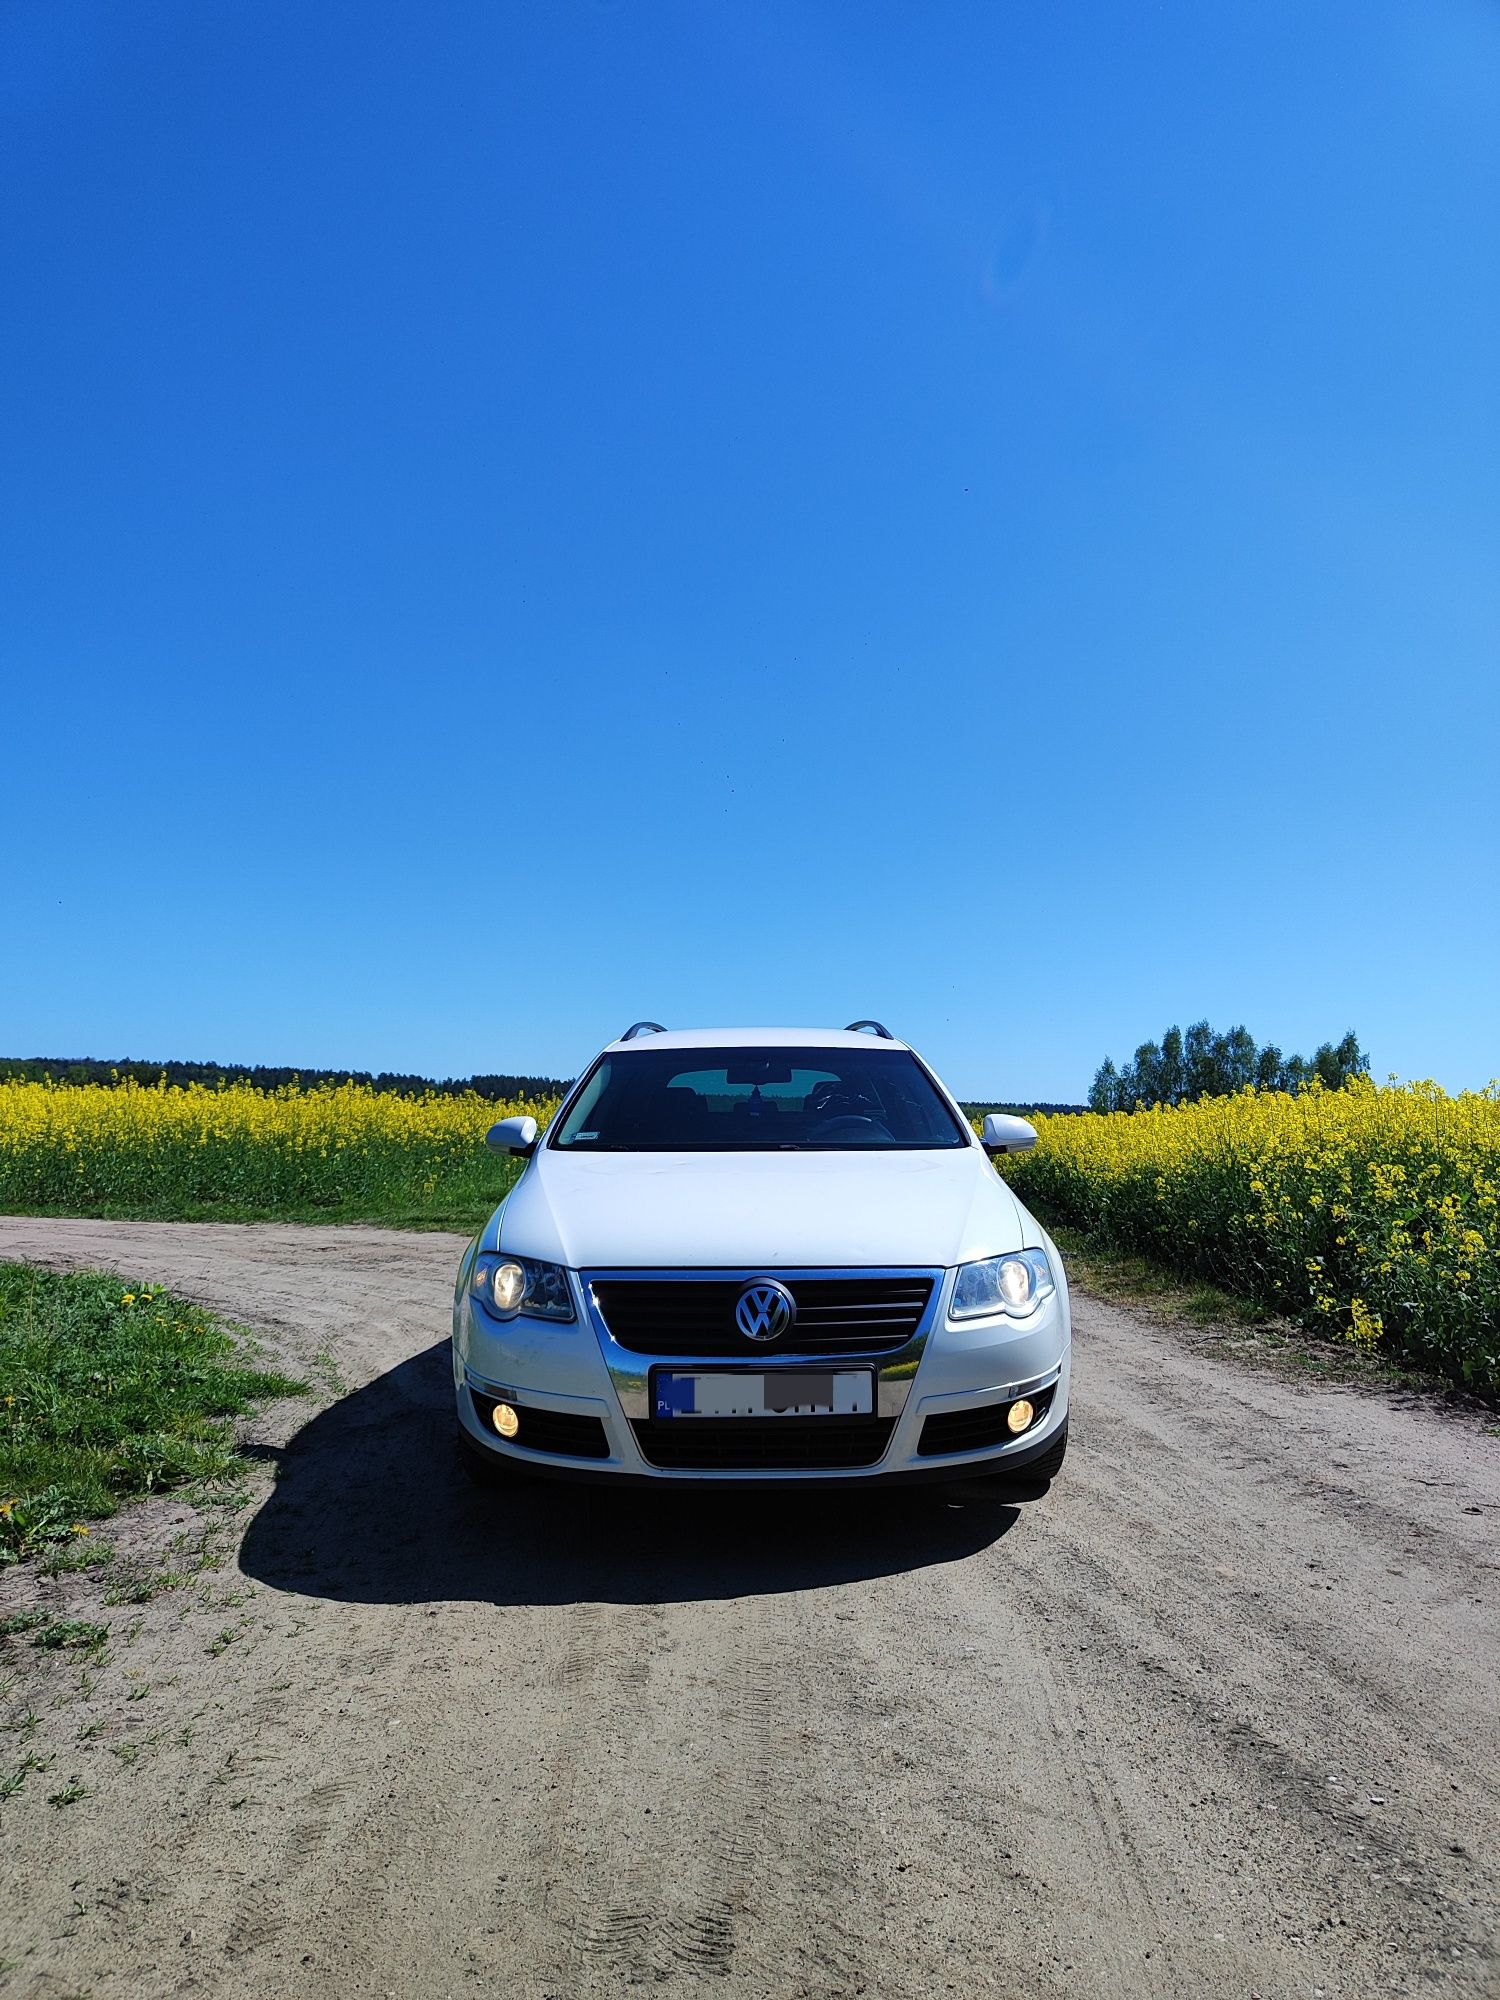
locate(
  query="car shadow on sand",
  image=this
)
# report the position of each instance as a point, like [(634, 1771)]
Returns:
[(372, 1506)]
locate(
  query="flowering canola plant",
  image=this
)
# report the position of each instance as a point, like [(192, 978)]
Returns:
[(173, 1149), (1368, 1211)]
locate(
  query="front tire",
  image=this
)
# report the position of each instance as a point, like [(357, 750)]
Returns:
[(485, 1469), (1030, 1482)]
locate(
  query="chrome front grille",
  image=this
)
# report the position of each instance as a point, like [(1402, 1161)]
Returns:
[(854, 1313)]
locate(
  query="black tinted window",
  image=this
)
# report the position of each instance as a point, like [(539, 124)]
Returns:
[(757, 1100)]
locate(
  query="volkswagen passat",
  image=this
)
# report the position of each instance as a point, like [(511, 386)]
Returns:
[(770, 1254)]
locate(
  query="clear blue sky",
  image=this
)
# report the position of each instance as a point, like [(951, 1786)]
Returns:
[(522, 516)]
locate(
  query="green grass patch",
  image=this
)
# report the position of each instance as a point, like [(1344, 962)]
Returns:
[(1122, 1274), (77, 1553), (462, 1207), (24, 1621), (141, 1589), (14, 1781), (67, 1635), (109, 1391)]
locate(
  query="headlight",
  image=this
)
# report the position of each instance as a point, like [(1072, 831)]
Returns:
[(506, 1286), (1014, 1284)]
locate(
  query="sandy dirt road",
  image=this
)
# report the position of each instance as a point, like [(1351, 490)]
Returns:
[(1217, 1716)]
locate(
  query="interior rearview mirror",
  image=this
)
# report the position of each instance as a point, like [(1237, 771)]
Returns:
[(1004, 1133), (512, 1135), (758, 1072)]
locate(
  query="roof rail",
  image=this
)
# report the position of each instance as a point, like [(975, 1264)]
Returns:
[(642, 1028), (885, 1034)]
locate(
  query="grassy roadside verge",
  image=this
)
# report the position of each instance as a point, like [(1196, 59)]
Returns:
[(463, 1209), (109, 1391), (1237, 1328)]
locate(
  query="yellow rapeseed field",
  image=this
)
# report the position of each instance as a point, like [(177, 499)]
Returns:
[(184, 1150), (1369, 1211)]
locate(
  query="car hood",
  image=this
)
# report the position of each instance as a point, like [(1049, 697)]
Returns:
[(760, 1211)]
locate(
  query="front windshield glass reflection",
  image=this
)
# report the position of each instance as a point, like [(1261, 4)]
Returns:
[(757, 1100)]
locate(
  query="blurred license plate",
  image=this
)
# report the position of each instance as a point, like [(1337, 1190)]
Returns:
[(799, 1392)]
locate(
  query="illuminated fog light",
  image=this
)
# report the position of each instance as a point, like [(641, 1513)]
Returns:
[(1017, 1417), (508, 1286), (505, 1420)]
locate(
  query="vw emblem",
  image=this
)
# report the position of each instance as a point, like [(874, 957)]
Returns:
[(764, 1310)]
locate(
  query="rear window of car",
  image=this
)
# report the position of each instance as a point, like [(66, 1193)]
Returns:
[(757, 1100)]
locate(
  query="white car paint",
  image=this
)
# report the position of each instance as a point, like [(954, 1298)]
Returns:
[(775, 1209)]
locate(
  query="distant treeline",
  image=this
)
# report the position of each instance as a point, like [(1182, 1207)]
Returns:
[(61, 1069), (1020, 1110), (1182, 1068), (32, 1069)]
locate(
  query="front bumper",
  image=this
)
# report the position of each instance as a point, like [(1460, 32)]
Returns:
[(577, 1370)]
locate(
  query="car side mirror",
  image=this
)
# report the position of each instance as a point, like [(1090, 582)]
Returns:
[(1006, 1134), (512, 1135)]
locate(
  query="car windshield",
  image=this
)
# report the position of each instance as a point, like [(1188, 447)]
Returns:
[(757, 1101)]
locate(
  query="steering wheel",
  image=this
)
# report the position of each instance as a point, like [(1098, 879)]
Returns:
[(851, 1125)]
